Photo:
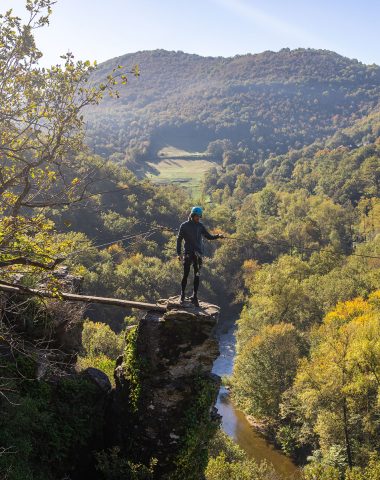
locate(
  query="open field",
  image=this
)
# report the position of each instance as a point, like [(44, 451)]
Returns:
[(180, 167), (170, 152)]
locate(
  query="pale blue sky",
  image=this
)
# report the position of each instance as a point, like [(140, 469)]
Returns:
[(102, 29)]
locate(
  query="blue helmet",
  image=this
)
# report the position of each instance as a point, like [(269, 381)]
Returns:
[(197, 211)]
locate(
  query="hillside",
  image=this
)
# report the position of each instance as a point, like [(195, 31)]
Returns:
[(345, 167), (236, 110)]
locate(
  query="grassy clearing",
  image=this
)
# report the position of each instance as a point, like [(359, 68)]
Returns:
[(182, 170), (170, 152)]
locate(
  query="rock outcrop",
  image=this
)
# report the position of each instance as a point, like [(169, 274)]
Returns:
[(163, 403)]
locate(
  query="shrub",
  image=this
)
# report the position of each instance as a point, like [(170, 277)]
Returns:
[(99, 338)]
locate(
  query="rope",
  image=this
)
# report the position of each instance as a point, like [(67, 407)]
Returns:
[(122, 239), (129, 246), (288, 245), (280, 243), (154, 228)]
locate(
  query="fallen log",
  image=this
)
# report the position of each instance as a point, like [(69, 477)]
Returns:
[(73, 297)]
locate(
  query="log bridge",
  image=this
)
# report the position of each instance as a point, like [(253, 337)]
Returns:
[(73, 297)]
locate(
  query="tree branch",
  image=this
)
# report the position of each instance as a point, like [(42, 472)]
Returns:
[(28, 261)]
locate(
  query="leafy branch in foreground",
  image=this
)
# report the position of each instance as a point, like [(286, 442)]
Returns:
[(41, 135)]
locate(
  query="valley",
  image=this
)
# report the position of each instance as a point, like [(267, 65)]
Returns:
[(99, 167)]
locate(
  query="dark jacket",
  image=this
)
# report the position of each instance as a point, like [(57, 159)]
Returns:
[(192, 233)]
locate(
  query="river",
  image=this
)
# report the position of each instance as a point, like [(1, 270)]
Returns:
[(235, 423)]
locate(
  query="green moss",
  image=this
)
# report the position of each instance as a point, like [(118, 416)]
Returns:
[(193, 456), (132, 367)]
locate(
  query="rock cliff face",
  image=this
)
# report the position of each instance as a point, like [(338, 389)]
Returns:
[(162, 406)]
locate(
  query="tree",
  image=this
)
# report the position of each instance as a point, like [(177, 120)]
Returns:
[(277, 293), (227, 461), (41, 135), (264, 370), (337, 387), (43, 162)]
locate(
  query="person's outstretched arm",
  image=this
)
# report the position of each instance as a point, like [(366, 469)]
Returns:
[(208, 235)]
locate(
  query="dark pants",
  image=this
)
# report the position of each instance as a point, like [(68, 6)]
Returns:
[(196, 262)]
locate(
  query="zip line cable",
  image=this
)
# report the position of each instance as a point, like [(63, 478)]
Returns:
[(268, 243), (126, 248), (154, 228), (122, 239), (286, 244), (144, 236)]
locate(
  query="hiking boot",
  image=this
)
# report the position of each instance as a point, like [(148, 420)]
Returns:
[(194, 300), (182, 298)]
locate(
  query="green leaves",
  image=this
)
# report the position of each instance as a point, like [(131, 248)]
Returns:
[(41, 134), (264, 370)]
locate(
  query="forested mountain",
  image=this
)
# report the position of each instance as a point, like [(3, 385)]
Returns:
[(250, 105)]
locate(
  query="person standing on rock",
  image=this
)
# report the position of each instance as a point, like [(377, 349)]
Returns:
[(192, 232)]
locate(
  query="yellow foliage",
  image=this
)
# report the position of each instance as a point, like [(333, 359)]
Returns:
[(347, 311), (339, 383)]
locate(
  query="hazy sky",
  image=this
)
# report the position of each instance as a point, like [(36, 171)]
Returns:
[(102, 29)]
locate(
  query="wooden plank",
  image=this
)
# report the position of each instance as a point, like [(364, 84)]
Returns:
[(73, 297)]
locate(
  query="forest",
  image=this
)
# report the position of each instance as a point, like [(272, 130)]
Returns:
[(297, 137), (239, 110)]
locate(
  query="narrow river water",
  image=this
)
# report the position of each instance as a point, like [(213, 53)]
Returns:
[(235, 423)]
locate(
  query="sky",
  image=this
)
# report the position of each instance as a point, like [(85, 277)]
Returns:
[(103, 29)]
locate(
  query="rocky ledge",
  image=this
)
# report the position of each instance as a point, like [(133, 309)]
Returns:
[(165, 391)]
